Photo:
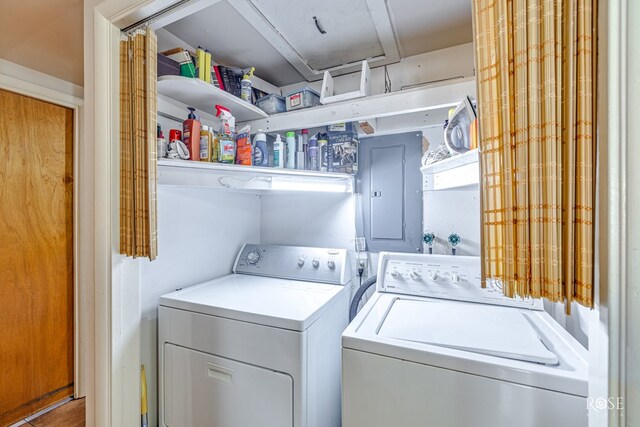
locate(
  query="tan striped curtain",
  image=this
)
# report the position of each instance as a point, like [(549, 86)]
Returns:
[(138, 156), (536, 78)]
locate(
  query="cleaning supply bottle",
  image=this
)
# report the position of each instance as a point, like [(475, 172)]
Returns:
[(245, 85), (260, 154), (313, 153), (162, 144), (206, 143), (291, 150), (324, 161), (299, 153), (215, 147), (305, 148), (278, 153), (228, 121), (191, 134)]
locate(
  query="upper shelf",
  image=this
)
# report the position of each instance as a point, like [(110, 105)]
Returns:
[(398, 103), (462, 170), (204, 96)]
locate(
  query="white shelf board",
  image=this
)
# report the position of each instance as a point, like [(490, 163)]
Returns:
[(248, 178), (458, 171), (204, 96), (384, 105)]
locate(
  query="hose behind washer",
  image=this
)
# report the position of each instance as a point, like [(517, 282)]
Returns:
[(353, 310)]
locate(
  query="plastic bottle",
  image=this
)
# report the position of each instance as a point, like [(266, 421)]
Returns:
[(305, 148), (300, 163), (215, 147), (278, 153), (245, 86), (323, 152), (206, 143), (260, 153), (291, 150), (162, 144), (191, 134), (313, 153), (228, 121)]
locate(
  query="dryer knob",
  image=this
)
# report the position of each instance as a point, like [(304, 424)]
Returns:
[(300, 262), (331, 264), (433, 275), (455, 278), (315, 263), (395, 273), (414, 275), (253, 257)]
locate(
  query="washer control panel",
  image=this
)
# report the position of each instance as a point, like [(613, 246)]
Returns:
[(324, 265), (442, 276)]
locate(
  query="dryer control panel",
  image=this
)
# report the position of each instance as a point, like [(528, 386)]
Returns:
[(323, 265), (443, 276)]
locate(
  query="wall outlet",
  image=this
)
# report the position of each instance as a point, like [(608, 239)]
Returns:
[(362, 261)]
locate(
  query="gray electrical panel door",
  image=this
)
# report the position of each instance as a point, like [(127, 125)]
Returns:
[(389, 184)]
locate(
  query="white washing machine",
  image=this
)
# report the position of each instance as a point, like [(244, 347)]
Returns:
[(259, 347), (433, 348)]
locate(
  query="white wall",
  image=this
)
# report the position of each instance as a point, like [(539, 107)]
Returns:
[(200, 231), (315, 219)]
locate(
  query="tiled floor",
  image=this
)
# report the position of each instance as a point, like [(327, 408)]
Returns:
[(69, 414)]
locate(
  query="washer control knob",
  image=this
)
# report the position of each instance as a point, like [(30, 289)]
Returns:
[(455, 278), (300, 262), (395, 273), (331, 264), (414, 275), (253, 257), (433, 275), (315, 263)]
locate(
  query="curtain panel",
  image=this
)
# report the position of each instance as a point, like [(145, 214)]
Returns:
[(536, 98), (138, 148)]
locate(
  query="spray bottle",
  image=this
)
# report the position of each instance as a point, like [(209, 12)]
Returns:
[(226, 140), (245, 85)]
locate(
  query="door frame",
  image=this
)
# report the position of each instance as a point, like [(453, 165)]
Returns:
[(25, 81), (618, 287)]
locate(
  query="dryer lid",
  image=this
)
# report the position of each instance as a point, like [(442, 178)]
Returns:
[(484, 329), (280, 303)]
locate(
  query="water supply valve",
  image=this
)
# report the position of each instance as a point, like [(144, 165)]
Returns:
[(428, 238), (454, 240)]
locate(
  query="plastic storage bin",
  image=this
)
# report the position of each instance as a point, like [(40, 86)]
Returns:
[(272, 104), (302, 98)]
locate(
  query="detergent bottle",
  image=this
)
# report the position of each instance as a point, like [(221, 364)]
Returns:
[(245, 85)]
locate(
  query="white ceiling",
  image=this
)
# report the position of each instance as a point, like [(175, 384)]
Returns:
[(428, 25), (419, 25), (45, 36)]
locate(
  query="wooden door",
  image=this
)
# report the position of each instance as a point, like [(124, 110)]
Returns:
[(36, 255)]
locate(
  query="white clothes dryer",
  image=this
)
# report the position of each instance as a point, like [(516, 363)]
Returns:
[(259, 347)]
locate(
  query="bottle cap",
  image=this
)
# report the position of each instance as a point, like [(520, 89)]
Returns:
[(291, 134), (192, 112), (305, 131)]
